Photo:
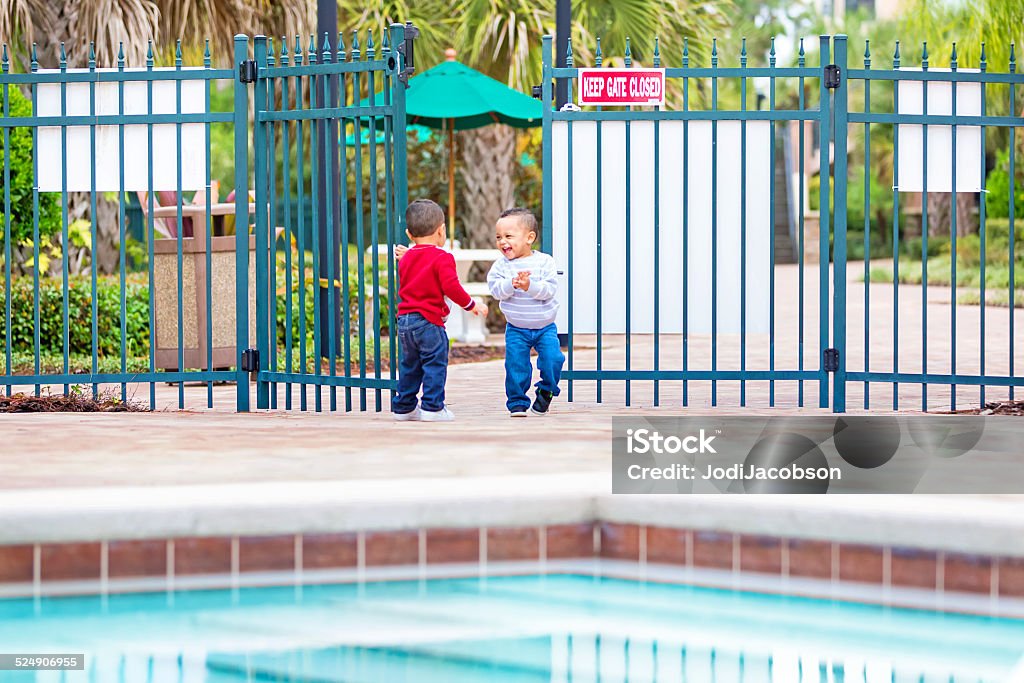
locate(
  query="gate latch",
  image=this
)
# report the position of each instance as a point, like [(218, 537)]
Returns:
[(247, 71), (830, 360), (832, 76), (537, 91), (408, 50), (250, 360)]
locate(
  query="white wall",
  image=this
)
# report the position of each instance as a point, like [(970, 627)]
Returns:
[(642, 211)]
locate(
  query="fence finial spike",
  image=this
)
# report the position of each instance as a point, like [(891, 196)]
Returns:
[(867, 49), (568, 52), (686, 51), (177, 52), (743, 51), (35, 60), (657, 52), (326, 47), (63, 55), (896, 55), (312, 48), (355, 45), (298, 49), (370, 50), (385, 43), (771, 51), (270, 52), (924, 54), (149, 54), (598, 57), (629, 53), (206, 51), (341, 46), (984, 58), (714, 52), (120, 54), (1013, 57), (952, 58), (6, 63), (92, 54)]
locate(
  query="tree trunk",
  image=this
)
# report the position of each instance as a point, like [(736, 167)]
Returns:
[(939, 214), (488, 160)]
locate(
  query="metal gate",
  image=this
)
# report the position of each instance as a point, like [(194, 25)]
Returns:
[(330, 166), (626, 236), (653, 285)]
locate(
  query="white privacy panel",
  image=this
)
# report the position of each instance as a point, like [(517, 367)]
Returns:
[(78, 162), (662, 222), (910, 177)]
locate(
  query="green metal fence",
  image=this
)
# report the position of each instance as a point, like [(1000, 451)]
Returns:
[(982, 357), (806, 363), (834, 126), (209, 295), (80, 298), (306, 102)]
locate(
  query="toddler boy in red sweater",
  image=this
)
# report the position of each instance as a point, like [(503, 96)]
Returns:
[(426, 275)]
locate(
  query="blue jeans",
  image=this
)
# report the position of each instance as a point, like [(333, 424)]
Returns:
[(519, 367), (424, 361)]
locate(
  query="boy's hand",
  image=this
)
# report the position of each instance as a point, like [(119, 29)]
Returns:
[(400, 250), (480, 309), (521, 280)]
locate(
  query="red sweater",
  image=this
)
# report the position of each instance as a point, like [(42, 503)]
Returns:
[(426, 275)]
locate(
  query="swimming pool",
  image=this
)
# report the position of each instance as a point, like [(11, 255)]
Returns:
[(502, 630)]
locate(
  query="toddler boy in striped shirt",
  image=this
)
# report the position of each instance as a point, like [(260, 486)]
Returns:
[(524, 282)]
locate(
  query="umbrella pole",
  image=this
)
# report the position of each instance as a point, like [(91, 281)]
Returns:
[(451, 184)]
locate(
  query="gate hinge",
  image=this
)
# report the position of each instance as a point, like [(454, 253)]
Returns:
[(537, 91), (832, 76), (247, 71), (830, 359), (250, 360)]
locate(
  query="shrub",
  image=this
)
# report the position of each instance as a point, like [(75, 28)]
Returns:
[(51, 316), (22, 178), (302, 324), (997, 200)]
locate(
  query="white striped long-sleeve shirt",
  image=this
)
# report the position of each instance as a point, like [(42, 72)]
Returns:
[(536, 307)]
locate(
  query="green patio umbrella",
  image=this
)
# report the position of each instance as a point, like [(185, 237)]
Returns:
[(451, 96)]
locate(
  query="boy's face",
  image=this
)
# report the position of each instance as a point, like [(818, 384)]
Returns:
[(513, 239)]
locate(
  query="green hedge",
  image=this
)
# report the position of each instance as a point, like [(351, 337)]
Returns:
[(51, 316), (108, 291)]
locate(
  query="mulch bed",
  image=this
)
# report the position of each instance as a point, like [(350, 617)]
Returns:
[(995, 408), (72, 403)]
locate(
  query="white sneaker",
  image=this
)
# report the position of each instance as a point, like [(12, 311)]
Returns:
[(443, 415), (413, 416)]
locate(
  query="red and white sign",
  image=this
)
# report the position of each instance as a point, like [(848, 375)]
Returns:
[(621, 87)]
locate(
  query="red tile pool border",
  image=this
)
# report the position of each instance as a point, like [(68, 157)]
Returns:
[(41, 565)]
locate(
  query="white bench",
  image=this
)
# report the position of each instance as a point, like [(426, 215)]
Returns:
[(462, 326), (466, 327)]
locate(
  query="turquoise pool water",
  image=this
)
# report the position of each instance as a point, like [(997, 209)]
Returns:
[(503, 630)]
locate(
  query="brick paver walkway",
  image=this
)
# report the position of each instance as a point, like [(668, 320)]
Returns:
[(200, 446)]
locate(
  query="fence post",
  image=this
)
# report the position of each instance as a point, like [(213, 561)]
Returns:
[(241, 224), (547, 230), (824, 137), (399, 175), (839, 238), (263, 284)]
